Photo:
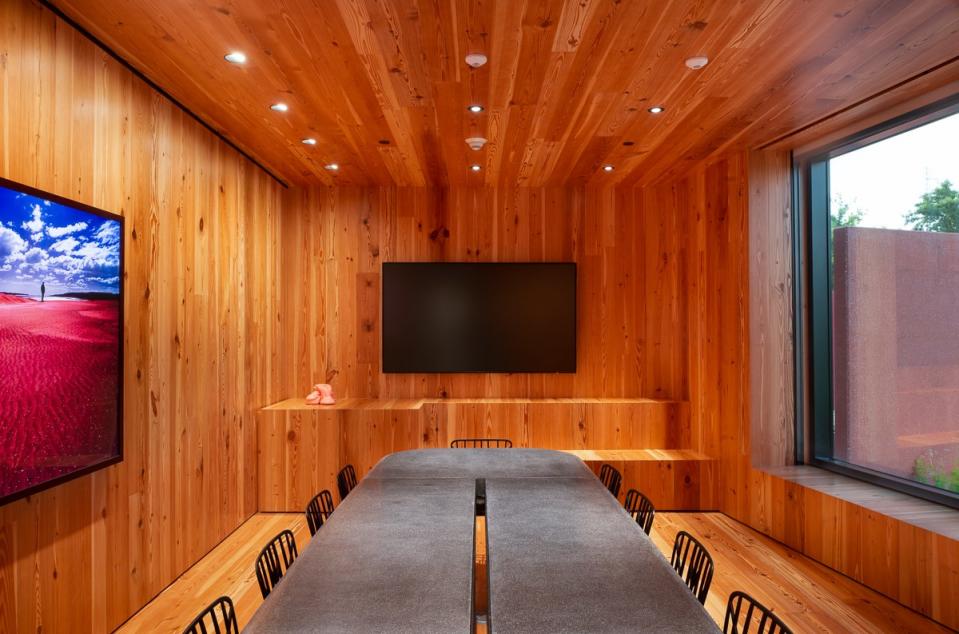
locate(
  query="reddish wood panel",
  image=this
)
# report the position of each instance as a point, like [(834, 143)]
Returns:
[(201, 259), (566, 84)]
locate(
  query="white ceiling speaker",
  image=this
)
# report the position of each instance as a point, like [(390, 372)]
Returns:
[(697, 62), (475, 60), (476, 142)]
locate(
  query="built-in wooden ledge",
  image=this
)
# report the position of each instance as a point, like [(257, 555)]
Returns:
[(674, 479), (637, 455), (299, 403), (301, 447), (927, 515)]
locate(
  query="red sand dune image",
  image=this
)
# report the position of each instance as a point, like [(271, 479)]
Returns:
[(58, 402)]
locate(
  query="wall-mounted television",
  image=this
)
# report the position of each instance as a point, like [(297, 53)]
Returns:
[(479, 317), (61, 339)]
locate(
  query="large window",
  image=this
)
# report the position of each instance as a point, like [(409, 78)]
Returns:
[(883, 265)]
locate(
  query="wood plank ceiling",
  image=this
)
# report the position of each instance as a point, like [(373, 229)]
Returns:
[(383, 87)]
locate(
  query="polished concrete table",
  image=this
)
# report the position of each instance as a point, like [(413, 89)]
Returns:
[(397, 555)]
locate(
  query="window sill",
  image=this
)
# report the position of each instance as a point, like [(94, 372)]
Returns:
[(930, 516)]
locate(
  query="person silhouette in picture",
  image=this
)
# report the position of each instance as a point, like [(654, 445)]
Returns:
[(43, 290)]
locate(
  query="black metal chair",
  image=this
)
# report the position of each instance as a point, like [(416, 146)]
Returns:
[(319, 510), (640, 508), (769, 623), (220, 616), (346, 481), (693, 563), (481, 443), (611, 479), (274, 560)]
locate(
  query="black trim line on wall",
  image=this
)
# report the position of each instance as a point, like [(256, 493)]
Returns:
[(47, 4)]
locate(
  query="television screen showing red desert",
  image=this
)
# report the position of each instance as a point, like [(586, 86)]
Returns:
[(59, 340)]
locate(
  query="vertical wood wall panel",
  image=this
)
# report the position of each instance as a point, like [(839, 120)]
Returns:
[(200, 330), (631, 295)]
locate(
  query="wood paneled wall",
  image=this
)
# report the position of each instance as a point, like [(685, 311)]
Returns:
[(771, 393), (709, 207), (199, 332), (741, 391), (632, 278)]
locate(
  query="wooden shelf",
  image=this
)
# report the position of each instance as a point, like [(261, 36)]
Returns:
[(637, 455), (299, 404)]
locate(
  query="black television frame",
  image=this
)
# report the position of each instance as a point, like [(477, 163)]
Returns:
[(575, 298), (118, 458)]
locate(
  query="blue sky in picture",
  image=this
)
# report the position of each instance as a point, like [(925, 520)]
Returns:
[(68, 249)]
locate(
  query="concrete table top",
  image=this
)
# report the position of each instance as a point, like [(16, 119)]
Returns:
[(565, 557), (397, 555)]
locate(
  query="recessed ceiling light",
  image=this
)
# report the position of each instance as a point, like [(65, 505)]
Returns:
[(656, 109), (280, 107), (475, 168), (310, 141), (236, 57), (608, 168), (332, 166), (698, 62), (475, 108)]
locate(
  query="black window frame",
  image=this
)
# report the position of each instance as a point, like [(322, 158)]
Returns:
[(812, 267)]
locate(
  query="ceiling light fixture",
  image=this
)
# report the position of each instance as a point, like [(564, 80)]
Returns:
[(279, 107), (608, 168), (332, 166), (475, 108), (698, 62), (310, 141), (656, 109), (235, 57), (475, 60), (476, 142), (475, 168)]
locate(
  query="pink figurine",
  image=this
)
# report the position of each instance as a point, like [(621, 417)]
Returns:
[(322, 394)]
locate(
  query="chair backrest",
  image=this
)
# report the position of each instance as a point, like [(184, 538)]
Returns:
[(217, 618), (319, 510), (693, 563), (481, 443), (641, 508), (610, 478), (755, 614), (346, 481), (275, 559)]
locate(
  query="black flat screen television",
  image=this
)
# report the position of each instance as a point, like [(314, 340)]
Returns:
[(61, 339), (479, 317)]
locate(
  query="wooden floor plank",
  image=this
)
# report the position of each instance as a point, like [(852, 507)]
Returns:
[(807, 595)]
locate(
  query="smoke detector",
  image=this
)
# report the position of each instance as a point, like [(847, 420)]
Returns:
[(475, 60), (476, 142), (697, 62)]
